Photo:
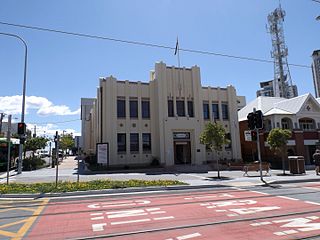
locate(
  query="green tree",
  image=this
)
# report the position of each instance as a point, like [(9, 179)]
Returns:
[(33, 144), (214, 136), (66, 142), (277, 139)]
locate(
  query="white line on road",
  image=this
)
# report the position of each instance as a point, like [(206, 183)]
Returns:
[(289, 198), (193, 235), (163, 218), (132, 221), (314, 203)]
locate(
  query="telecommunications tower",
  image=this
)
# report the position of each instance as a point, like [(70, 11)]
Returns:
[(282, 84)]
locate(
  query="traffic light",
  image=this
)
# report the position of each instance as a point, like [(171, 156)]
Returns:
[(255, 120), (259, 119), (21, 128), (253, 136), (251, 121)]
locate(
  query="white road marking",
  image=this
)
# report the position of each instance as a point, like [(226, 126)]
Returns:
[(159, 212), (253, 210), (210, 196), (119, 204), (152, 209), (131, 221), (97, 218), (289, 198), (193, 235), (229, 203), (95, 214), (98, 227), (260, 224), (260, 192), (163, 218), (126, 213), (314, 203)]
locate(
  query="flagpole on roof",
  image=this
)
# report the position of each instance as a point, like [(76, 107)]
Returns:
[(176, 52)]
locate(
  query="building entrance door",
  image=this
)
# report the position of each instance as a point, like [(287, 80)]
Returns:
[(182, 152)]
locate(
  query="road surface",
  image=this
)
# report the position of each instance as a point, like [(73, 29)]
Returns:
[(277, 212)]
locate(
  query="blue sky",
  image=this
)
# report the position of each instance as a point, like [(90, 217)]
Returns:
[(63, 68)]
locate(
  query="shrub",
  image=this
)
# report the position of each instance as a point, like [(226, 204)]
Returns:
[(33, 163)]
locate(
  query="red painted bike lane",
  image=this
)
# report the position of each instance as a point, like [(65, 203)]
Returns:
[(104, 217)]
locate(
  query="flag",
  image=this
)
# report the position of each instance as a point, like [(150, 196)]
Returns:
[(177, 48)]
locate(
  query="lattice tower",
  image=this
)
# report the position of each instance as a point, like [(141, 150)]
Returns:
[(282, 84)]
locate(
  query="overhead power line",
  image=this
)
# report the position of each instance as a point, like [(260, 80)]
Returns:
[(146, 44), (73, 120)]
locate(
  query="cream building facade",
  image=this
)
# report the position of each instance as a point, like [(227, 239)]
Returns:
[(162, 119)]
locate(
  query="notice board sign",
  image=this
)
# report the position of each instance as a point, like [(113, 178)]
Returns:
[(103, 153)]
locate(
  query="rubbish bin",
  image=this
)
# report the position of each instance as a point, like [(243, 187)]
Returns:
[(296, 164)]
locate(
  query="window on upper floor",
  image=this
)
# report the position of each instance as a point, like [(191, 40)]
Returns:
[(225, 111), (307, 124), (134, 142), (122, 142), (206, 111), (181, 108), (170, 108), (133, 108), (190, 109), (121, 108), (145, 106), (215, 111), (146, 142)]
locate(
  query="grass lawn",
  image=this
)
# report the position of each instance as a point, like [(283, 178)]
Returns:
[(81, 186)]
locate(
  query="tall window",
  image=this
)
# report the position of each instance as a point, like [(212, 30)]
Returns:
[(307, 124), (170, 108), (190, 109), (134, 142), (121, 108), (206, 111), (122, 142), (145, 106), (133, 108), (146, 142), (225, 111), (180, 108), (215, 111)]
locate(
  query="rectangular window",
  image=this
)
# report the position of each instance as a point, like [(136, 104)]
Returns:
[(146, 142), (121, 108), (215, 111), (122, 142), (180, 108), (145, 106), (225, 111), (133, 108), (206, 111), (134, 142), (170, 108), (190, 109)]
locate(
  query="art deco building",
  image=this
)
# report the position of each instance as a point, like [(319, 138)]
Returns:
[(161, 119)]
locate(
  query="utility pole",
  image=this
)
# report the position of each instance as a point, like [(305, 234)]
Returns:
[(1, 118), (9, 147), (57, 156)]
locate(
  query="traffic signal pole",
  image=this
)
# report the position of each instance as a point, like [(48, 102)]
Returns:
[(256, 128)]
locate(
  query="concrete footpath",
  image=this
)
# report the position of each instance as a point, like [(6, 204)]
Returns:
[(68, 172)]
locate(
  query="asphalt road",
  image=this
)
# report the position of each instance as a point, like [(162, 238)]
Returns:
[(290, 211)]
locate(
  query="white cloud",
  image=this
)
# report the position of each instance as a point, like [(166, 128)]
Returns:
[(12, 105), (50, 129)]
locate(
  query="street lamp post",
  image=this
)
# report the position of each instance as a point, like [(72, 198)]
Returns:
[(23, 94)]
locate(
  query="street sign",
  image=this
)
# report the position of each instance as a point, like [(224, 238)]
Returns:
[(103, 153), (247, 135)]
